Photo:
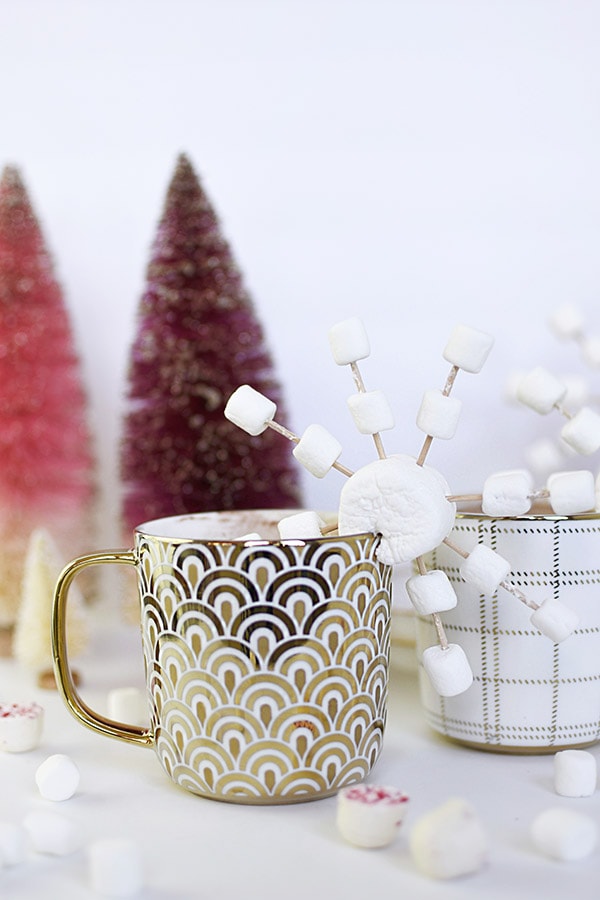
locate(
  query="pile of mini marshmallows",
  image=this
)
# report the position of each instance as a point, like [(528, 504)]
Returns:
[(114, 863), (408, 504), (450, 840)]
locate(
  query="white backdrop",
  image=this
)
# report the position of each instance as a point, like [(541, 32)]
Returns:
[(415, 162)]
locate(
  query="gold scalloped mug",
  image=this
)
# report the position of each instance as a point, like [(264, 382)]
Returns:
[(267, 661)]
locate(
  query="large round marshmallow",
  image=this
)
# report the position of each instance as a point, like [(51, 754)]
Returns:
[(563, 834), (575, 773), (371, 412), (128, 704), (449, 841), (468, 348), (566, 321), (369, 815), (507, 493), (20, 726), (572, 492), (349, 341), (115, 866), (303, 525), (317, 450), (431, 592), (448, 669), (250, 410), (57, 777), (52, 833), (14, 843), (484, 569), (555, 620), (582, 431), (438, 415), (403, 502), (541, 390)]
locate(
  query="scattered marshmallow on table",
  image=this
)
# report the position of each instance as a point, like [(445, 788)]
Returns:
[(52, 833), (370, 815), (431, 592), (448, 669), (449, 841), (582, 431), (250, 410), (555, 620), (438, 414), (14, 843), (20, 726), (371, 412), (57, 777), (317, 450), (507, 493), (115, 867), (572, 492), (303, 525), (468, 348), (564, 834), (349, 341), (541, 390), (484, 569), (575, 773), (128, 704)]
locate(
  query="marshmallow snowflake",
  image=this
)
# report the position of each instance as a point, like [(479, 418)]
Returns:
[(409, 504)]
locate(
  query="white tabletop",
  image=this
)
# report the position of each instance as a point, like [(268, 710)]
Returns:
[(197, 848)]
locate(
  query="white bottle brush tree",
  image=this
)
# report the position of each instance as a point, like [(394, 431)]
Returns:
[(409, 504)]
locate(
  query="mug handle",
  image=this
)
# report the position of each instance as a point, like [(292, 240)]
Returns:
[(64, 679)]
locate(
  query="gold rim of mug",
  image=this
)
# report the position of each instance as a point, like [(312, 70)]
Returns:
[(529, 517)]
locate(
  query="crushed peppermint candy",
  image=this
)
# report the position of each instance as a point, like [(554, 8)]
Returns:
[(370, 793), (20, 726), (370, 815)]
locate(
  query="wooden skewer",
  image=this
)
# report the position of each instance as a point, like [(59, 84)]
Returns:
[(360, 387), (441, 634), (507, 585), (280, 429), (446, 392)]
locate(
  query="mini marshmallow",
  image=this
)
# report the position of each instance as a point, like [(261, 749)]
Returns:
[(250, 410), (507, 493), (317, 450), (52, 833), (566, 321), (484, 569), (438, 415), (129, 705), (563, 834), (541, 390), (57, 778), (590, 350), (368, 815), (575, 773), (20, 726), (349, 341), (431, 592), (572, 492), (371, 412), (582, 432), (555, 620), (303, 525), (14, 843), (448, 669), (115, 867), (468, 348), (449, 841)]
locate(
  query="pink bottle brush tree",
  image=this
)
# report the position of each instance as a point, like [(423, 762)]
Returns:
[(197, 339), (46, 462)]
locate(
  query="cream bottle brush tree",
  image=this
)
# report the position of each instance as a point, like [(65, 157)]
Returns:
[(409, 504)]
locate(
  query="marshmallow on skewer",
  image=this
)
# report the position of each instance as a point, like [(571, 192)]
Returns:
[(57, 777), (371, 412), (20, 726), (507, 493), (349, 341), (449, 841), (555, 620), (468, 348), (484, 569), (115, 867), (369, 815), (563, 834), (572, 492), (575, 773), (317, 450), (52, 833), (303, 526), (448, 669), (541, 390), (439, 414), (431, 592), (582, 431), (250, 410)]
